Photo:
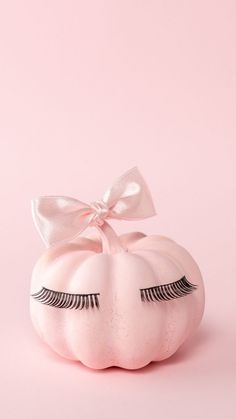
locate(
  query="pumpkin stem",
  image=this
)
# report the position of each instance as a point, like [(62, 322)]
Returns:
[(110, 241)]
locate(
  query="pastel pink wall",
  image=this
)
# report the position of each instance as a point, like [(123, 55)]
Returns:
[(89, 89)]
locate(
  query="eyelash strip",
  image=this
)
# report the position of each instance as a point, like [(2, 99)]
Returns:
[(66, 300), (169, 291)]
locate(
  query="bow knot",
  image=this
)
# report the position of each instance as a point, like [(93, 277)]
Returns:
[(101, 211), (61, 218)]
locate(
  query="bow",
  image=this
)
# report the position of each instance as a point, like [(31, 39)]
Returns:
[(61, 218)]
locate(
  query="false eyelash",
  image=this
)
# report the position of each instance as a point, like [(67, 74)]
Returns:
[(169, 291), (66, 300)]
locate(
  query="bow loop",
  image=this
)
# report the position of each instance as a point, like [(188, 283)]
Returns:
[(61, 218)]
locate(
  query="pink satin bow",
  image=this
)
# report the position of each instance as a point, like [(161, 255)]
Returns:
[(61, 218)]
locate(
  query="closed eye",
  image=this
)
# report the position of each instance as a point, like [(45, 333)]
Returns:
[(66, 300), (169, 291)]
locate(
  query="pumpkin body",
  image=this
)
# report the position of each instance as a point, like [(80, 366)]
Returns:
[(125, 331)]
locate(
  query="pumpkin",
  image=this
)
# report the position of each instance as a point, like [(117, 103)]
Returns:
[(111, 300)]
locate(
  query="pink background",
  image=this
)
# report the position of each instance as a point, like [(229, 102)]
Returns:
[(88, 90)]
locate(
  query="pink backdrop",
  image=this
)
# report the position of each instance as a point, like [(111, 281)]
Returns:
[(88, 90)]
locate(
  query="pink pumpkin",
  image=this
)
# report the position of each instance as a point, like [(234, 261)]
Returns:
[(115, 301)]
